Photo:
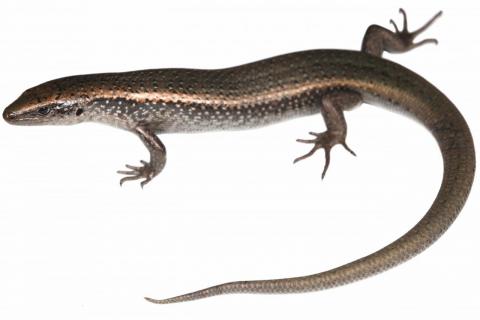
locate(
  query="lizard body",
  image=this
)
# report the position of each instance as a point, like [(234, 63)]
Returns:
[(303, 83)]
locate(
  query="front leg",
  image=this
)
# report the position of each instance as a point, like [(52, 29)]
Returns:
[(332, 106), (158, 158)]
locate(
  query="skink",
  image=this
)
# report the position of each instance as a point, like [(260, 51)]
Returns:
[(328, 82)]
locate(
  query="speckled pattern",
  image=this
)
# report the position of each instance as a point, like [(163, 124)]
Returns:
[(280, 88), (174, 100)]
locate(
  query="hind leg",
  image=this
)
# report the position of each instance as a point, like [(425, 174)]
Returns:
[(378, 39)]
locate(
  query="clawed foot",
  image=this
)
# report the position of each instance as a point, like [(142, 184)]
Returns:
[(407, 37), (325, 140), (145, 171)]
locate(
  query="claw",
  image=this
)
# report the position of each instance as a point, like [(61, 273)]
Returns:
[(325, 140), (327, 162), (395, 26), (144, 182), (305, 156), (409, 36), (135, 173), (311, 152), (132, 167), (427, 24), (344, 144), (126, 172), (306, 140), (421, 43), (125, 179), (405, 23)]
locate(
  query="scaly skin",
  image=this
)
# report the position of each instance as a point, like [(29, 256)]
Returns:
[(297, 84)]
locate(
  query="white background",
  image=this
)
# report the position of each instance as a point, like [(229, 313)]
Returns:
[(229, 205)]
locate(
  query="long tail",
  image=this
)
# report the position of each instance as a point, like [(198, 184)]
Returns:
[(456, 145)]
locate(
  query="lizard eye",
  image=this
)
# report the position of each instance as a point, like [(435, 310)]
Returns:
[(44, 111)]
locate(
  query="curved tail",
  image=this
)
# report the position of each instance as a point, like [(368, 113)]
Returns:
[(449, 128)]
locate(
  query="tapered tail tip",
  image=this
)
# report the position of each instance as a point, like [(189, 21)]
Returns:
[(153, 300)]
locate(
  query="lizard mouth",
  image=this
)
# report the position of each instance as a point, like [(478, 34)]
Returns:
[(12, 115), (21, 112), (9, 115)]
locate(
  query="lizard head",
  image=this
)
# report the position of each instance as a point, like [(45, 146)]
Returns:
[(47, 103)]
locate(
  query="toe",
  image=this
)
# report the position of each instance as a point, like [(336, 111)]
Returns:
[(307, 140), (126, 172), (144, 182), (125, 179), (132, 167)]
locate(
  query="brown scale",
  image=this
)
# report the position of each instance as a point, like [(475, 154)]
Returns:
[(328, 82)]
